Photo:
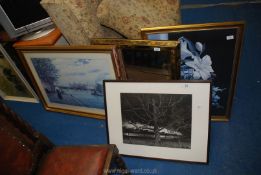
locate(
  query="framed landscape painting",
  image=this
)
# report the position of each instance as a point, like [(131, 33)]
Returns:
[(208, 52), (69, 79), (165, 120), (13, 86), (147, 60)]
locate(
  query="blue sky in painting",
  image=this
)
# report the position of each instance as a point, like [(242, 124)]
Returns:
[(82, 70)]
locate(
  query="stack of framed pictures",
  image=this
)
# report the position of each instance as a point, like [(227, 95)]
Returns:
[(208, 52), (157, 96), (170, 120)]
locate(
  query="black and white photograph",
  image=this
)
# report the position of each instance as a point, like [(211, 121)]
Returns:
[(157, 119), (162, 120)]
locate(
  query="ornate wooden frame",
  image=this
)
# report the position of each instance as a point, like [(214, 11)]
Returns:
[(142, 72)]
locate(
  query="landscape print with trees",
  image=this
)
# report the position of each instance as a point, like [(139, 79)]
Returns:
[(75, 81), (10, 82)]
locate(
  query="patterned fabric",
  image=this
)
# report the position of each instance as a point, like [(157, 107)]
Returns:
[(77, 20), (129, 16)]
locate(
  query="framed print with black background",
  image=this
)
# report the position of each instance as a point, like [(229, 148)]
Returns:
[(145, 59), (164, 120), (208, 52), (69, 79)]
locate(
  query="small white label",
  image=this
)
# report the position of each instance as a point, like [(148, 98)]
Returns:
[(156, 49), (230, 37)]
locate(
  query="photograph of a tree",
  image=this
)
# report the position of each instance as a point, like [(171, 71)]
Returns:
[(157, 119)]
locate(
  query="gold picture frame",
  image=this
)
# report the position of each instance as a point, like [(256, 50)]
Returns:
[(145, 59), (69, 79), (216, 47)]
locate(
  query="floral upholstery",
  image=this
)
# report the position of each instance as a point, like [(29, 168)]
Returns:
[(130, 16), (77, 20), (80, 20)]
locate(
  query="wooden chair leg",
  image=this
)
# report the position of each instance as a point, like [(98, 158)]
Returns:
[(121, 166)]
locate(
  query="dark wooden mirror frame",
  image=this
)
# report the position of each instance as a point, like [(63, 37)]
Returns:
[(169, 70)]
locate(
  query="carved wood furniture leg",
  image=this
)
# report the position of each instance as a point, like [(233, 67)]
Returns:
[(119, 162)]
